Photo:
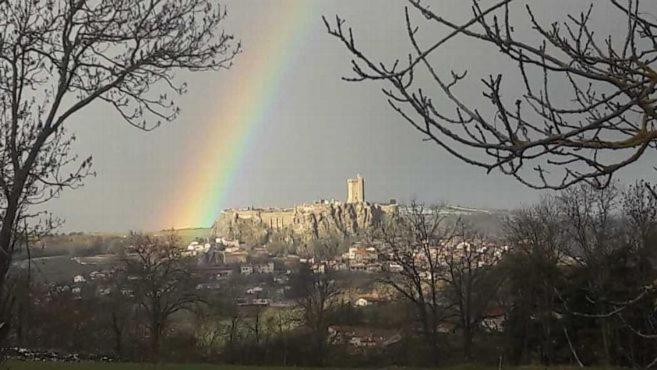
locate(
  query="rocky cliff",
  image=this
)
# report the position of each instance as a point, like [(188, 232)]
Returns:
[(306, 222)]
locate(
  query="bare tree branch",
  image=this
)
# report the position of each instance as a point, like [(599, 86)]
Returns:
[(607, 124)]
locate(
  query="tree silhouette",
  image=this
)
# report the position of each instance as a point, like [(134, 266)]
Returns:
[(585, 107), (160, 279), (57, 57)]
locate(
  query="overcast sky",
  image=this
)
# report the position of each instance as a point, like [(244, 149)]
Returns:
[(320, 131)]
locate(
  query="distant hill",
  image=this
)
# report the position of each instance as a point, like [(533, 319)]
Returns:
[(490, 222), (95, 243), (188, 235)]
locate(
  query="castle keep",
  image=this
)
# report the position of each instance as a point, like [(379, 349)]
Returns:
[(356, 190)]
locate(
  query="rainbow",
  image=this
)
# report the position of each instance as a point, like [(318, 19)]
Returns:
[(254, 91)]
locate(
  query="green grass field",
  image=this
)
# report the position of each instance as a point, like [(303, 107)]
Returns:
[(16, 365)]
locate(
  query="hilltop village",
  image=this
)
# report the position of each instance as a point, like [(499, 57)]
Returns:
[(324, 236), (255, 251)]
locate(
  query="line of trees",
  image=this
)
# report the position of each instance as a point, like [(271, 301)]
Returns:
[(583, 273), (573, 282)]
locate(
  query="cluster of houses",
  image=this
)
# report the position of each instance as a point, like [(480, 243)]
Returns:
[(359, 338), (95, 282), (263, 280), (358, 258), (227, 259)]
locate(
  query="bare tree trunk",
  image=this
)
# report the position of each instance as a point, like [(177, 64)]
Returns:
[(6, 254), (320, 346), (118, 335), (156, 333), (433, 340), (467, 342), (572, 348), (232, 337), (605, 342), (283, 334)]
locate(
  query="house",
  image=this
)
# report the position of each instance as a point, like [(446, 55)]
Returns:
[(447, 327), (228, 243), (394, 267), (246, 270), (282, 304), (363, 337), (265, 268), (374, 268), (319, 268), (292, 261), (97, 275), (254, 290), (261, 302), (360, 254), (260, 252), (196, 248), (281, 279), (208, 286), (494, 320), (223, 274), (369, 299), (234, 257), (79, 279)]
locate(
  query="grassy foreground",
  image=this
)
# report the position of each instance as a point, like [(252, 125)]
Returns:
[(17, 365)]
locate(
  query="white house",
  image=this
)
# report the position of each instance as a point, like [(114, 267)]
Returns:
[(254, 290), (265, 268), (78, 279)]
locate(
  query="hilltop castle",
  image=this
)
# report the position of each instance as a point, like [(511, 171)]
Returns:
[(311, 220)]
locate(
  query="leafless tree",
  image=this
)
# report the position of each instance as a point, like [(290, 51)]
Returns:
[(159, 277), (536, 242), (315, 296), (593, 232), (444, 269), (410, 249), (640, 208), (120, 311), (542, 134), (471, 282), (592, 226), (58, 57), (607, 236)]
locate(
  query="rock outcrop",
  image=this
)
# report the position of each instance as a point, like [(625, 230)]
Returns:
[(307, 222)]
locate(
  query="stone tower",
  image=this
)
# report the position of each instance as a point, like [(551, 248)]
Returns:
[(356, 190)]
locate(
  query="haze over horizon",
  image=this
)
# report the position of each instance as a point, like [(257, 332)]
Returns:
[(317, 132)]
